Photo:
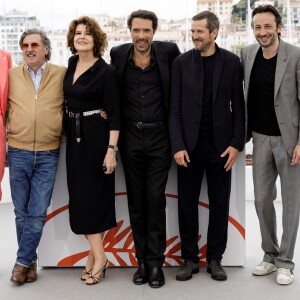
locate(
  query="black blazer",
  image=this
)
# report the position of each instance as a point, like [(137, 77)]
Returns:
[(164, 52), (186, 103)]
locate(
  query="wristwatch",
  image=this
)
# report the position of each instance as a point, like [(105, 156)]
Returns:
[(115, 147)]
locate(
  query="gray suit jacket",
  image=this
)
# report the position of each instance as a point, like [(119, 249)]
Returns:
[(286, 90)]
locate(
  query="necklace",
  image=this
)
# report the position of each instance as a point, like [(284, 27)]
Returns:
[(82, 67)]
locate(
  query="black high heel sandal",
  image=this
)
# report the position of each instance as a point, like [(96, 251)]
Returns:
[(96, 279), (85, 272)]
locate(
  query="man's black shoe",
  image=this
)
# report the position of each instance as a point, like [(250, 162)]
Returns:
[(188, 268), (141, 276), (156, 277), (216, 270)]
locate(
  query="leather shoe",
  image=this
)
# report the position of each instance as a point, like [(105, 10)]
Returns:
[(18, 275), (141, 276), (216, 270), (156, 277), (187, 270), (31, 273)]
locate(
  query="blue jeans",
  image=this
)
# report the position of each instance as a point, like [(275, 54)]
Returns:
[(32, 176)]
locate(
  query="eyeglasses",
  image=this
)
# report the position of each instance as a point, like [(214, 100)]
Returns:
[(34, 46)]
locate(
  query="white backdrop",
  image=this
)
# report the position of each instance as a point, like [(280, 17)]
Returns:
[(60, 247)]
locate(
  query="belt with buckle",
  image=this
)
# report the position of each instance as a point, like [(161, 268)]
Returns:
[(84, 113), (142, 125), (77, 117)]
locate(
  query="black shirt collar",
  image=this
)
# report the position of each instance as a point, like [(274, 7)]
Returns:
[(152, 59)]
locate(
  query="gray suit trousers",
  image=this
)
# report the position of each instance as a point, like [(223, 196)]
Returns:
[(270, 159)]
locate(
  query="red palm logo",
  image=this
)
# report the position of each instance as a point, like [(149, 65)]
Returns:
[(119, 241)]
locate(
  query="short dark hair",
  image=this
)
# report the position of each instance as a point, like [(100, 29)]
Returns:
[(45, 40), (267, 8), (212, 20), (99, 36), (143, 14)]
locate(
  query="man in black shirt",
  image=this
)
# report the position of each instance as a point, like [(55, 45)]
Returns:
[(272, 83), (207, 129), (143, 68)]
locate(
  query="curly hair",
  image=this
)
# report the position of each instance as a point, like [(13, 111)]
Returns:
[(99, 36)]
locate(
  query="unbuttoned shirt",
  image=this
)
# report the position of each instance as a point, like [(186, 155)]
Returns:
[(143, 92), (36, 78)]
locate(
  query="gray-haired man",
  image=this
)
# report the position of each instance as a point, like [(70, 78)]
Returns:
[(34, 128)]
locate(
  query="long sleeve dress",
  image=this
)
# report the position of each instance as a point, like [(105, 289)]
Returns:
[(91, 192)]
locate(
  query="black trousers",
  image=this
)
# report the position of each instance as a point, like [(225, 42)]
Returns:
[(146, 158), (204, 158)]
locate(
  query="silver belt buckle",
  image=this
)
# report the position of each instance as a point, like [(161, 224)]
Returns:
[(92, 112), (72, 115), (139, 125)]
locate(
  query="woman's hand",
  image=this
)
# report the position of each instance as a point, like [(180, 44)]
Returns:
[(110, 161)]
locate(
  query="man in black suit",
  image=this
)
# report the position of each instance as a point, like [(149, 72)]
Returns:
[(143, 68), (207, 129)]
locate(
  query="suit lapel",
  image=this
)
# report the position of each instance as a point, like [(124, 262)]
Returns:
[(248, 64), (217, 73), (196, 74), (280, 67)]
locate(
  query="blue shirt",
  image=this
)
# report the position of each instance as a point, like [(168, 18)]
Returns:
[(38, 77)]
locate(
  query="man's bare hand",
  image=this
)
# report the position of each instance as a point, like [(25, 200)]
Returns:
[(296, 156), (182, 158), (233, 154), (103, 114)]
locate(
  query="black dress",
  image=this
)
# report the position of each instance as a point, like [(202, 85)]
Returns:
[(91, 192)]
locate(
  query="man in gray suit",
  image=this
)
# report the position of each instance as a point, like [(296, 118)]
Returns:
[(272, 89)]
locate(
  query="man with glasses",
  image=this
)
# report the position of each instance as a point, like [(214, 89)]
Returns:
[(34, 128)]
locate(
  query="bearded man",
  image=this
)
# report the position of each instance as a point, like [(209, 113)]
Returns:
[(207, 129)]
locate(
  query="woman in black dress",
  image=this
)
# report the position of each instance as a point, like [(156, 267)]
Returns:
[(90, 86)]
